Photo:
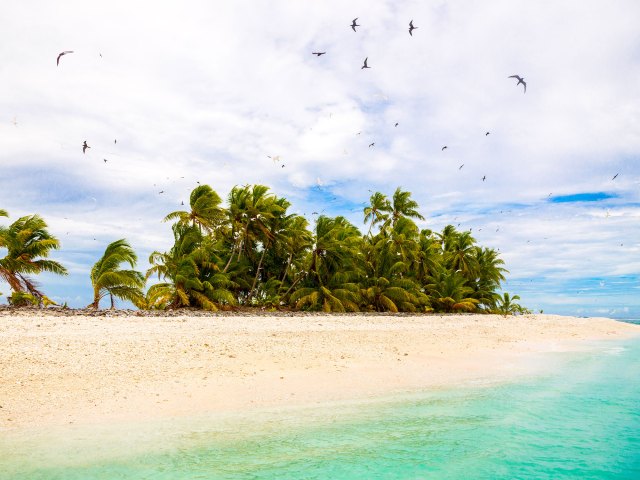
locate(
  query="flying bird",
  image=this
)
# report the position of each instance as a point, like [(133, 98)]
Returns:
[(115, 141), (520, 81), (318, 53), (372, 144), (411, 28), (615, 176), (354, 24), (161, 191), (487, 134), (396, 124), (85, 146), (460, 167), (105, 160), (484, 177), (365, 64), (61, 54), (442, 149)]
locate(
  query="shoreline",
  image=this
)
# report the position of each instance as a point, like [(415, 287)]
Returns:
[(74, 369)]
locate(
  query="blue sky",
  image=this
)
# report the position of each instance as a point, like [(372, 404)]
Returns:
[(206, 91)]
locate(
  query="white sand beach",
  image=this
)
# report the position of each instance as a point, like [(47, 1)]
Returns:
[(79, 369)]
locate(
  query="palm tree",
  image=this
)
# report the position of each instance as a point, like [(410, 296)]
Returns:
[(449, 293), (403, 206), (332, 266), (490, 274), (507, 305), (395, 295), (191, 270), (461, 255), (108, 279), (377, 210), (28, 243), (205, 209)]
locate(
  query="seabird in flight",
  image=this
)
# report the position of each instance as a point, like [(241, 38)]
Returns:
[(354, 24), (318, 53), (411, 28), (365, 64), (61, 54), (85, 146), (520, 81)]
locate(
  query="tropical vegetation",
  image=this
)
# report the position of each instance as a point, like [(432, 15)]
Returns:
[(107, 278), (252, 252)]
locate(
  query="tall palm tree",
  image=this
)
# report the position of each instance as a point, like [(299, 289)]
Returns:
[(377, 211), (403, 206), (331, 268), (108, 278), (461, 255), (28, 243), (205, 211)]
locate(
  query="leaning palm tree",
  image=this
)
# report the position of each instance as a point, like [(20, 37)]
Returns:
[(108, 278), (28, 243)]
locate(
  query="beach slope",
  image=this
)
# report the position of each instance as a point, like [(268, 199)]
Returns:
[(81, 369)]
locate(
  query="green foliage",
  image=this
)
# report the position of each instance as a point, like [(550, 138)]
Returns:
[(507, 305), (28, 243), (108, 278), (254, 253)]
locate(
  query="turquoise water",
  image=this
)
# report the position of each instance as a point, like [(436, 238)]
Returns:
[(581, 419)]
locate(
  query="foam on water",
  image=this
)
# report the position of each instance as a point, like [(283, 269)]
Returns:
[(580, 420)]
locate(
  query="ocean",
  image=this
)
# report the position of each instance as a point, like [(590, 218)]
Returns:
[(579, 419)]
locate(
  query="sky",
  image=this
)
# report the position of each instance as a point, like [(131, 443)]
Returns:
[(175, 93)]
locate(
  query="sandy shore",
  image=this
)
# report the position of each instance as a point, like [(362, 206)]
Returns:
[(60, 370)]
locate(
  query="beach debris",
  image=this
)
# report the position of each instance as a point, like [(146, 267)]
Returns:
[(365, 64), (411, 28), (318, 53), (354, 24), (520, 81), (61, 54), (85, 146)]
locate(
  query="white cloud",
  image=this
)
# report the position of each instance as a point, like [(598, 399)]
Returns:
[(207, 91)]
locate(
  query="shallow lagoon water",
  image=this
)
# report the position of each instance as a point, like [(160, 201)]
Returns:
[(580, 419)]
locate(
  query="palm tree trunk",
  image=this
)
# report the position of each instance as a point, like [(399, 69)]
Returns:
[(286, 269), (113, 305), (224, 270), (255, 280)]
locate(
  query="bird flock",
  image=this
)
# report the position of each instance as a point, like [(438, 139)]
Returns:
[(365, 66)]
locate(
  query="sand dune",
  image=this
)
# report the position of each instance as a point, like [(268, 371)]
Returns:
[(59, 370)]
